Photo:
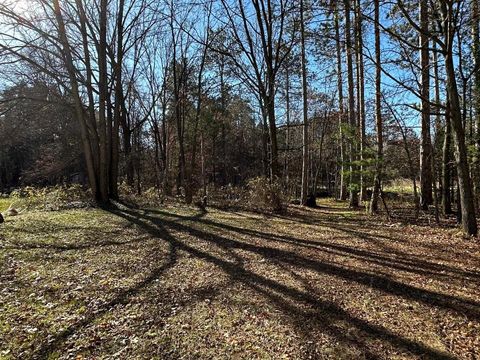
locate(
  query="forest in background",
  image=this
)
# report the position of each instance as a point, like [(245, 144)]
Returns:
[(301, 98)]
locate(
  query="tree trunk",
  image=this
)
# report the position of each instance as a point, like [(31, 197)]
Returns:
[(102, 99), (426, 143), (118, 101), (272, 126), (476, 94), (166, 147), (127, 148), (469, 221), (87, 146), (446, 195), (351, 110), (378, 113), (343, 187), (305, 171), (438, 124), (287, 136), (224, 120), (198, 108), (360, 93), (91, 122), (264, 138), (202, 156)]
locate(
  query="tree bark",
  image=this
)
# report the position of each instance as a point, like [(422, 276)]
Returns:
[(67, 55), (117, 107), (469, 221), (287, 136), (476, 94), (198, 108), (342, 185), (378, 113), (102, 99), (305, 163), (351, 110), (360, 93), (446, 182), (426, 142)]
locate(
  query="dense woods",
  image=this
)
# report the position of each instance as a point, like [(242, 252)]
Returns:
[(185, 99)]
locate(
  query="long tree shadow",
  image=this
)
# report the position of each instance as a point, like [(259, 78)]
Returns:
[(324, 313), (361, 221), (122, 298), (395, 259), (320, 313), (468, 308)]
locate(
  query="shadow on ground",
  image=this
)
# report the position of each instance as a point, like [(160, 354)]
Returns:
[(308, 264)]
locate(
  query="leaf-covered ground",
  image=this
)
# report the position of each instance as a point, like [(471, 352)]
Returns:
[(177, 283)]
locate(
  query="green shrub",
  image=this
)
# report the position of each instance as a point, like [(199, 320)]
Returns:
[(51, 198)]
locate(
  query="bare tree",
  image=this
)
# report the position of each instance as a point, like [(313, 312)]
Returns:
[(263, 45), (341, 115), (426, 144), (378, 111), (305, 160), (353, 183)]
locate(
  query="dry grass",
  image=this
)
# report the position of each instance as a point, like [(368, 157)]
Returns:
[(173, 283), (399, 186)]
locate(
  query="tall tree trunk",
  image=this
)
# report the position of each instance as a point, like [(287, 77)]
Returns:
[(378, 113), (166, 146), (351, 109), (266, 166), (305, 171), (117, 107), (128, 150), (137, 157), (426, 142), (102, 99), (272, 126), (91, 122), (360, 93), (157, 152), (469, 221), (224, 120), (342, 185), (202, 157), (287, 136), (67, 55), (476, 94), (177, 88), (198, 108), (446, 182), (438, 122)]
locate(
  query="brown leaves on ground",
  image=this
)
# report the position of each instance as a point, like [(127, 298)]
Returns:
[(174, 283)]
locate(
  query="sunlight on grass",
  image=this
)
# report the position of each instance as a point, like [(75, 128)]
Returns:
[(399, 186), (179, 282)]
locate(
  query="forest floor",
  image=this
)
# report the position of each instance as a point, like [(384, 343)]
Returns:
[(178, 283)]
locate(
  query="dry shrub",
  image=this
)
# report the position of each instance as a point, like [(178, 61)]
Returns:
[(266, 195), (259, 195), (148, 198), (225, 197)]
